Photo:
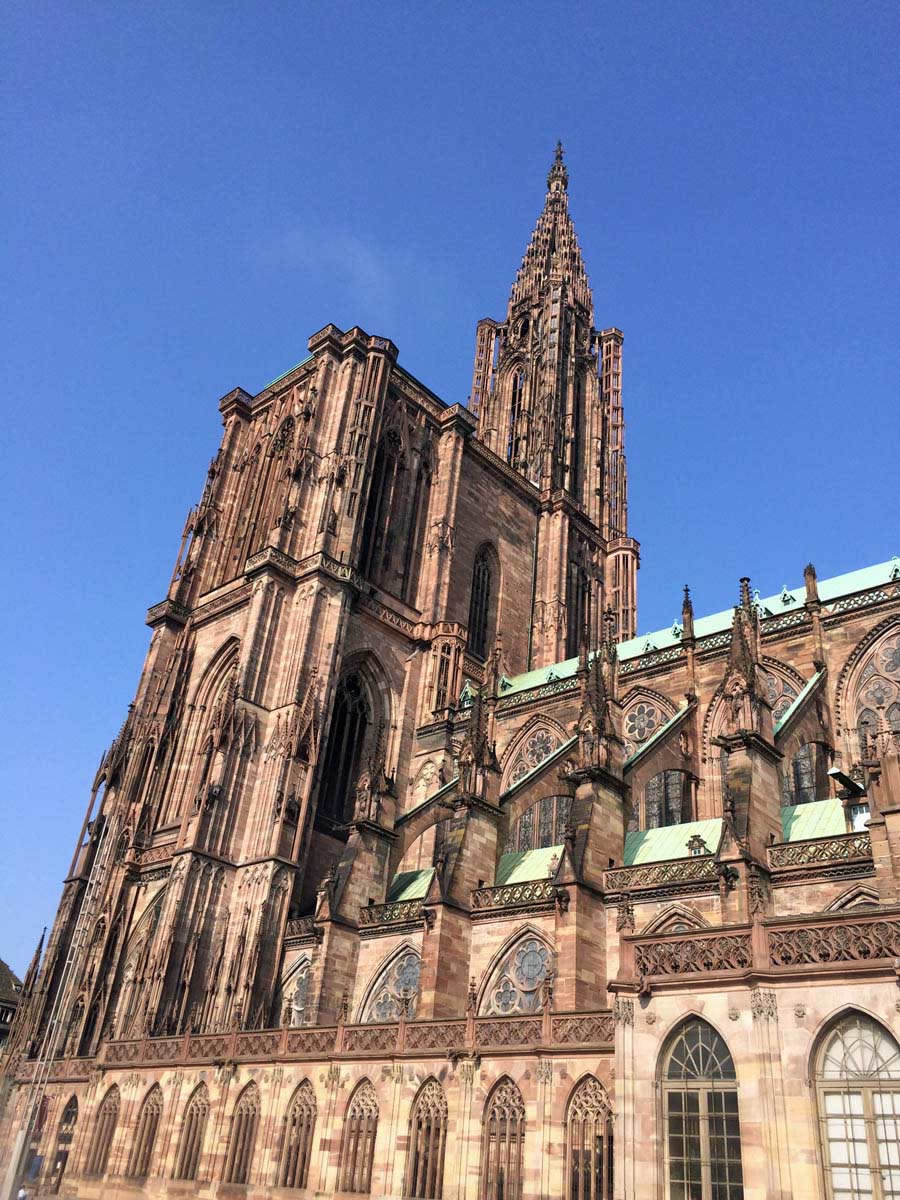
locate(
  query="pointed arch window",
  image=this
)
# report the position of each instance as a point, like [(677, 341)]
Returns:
[(700, 1107), (299, 992), (193, 1129), (578, 605), (516, 983), (145, 1135), (396, 990), (516, 403), (343, 755), (299, 1126), (589, 1143), (427, 1141), (104, 1129), (858, 1101), (64, 1136), (503, 1143), (358, 1142), (242, 1141), (806, 777), (480, 603)]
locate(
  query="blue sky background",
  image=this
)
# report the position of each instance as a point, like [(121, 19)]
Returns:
[(190, 190)]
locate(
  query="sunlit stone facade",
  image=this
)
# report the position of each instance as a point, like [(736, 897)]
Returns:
[(419, 874)]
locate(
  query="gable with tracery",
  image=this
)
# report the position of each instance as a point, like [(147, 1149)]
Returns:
[(538, 740)]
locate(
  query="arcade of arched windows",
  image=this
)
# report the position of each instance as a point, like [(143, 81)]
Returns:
[(854, 1072)]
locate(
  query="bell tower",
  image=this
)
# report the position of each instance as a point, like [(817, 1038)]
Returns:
[(546, 389)]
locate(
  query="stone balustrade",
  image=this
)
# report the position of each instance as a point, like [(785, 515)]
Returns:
[(589, 1029)]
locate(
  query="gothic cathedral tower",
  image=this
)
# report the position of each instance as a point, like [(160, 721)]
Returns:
[(546, 389)]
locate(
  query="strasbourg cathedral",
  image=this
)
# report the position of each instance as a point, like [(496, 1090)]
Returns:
[(415, 872)]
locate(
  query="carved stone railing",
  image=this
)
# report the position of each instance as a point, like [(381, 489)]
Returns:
[(574, 1029), (399, 912), (448, 1036), (435, 1035), (829, 941), (508, 1031), (699, 869), (144, 856), (62, 1068), (314, 1041), (514, 895), (700, 953), (298, 927), (368, 1039), (842, 848)]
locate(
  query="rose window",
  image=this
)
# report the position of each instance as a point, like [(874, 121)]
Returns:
[(541, 744), (641, 722), (538, 746)]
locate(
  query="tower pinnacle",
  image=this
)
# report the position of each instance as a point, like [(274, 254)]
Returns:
[(558, 176)]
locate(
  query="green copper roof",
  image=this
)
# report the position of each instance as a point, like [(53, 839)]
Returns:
[(523, 866), (789, 712), (787, 600), (645, 746), (661, 845), (410, 885), (286, 373), (822, 818)]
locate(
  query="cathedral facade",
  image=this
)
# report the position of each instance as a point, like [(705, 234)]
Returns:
[(415, 872)]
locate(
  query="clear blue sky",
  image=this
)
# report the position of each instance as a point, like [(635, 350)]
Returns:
[(190, 190)]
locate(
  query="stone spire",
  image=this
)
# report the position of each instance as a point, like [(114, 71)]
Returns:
[(546, 389)]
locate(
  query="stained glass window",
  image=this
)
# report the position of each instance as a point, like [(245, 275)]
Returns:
[(358, 1142), (300, 1124), (665, 801), (541, 825), (480, 604), (700, 1107)]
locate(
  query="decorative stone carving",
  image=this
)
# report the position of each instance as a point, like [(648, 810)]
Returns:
[(763, 1004)]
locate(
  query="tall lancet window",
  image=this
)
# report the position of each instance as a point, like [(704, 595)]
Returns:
[(427, 1140), (343, 756), (358, 1143), (503, 1144), (589, 1143), (516, 403), (578, 605), (480, 604), (299, 1126)]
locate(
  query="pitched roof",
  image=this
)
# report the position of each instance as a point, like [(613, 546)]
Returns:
[(10, 983), (523, 866), (670, 841), (819, 819), (410, 885), (787, 600)]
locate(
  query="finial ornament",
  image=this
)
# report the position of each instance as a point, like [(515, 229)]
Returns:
[(558, 176)]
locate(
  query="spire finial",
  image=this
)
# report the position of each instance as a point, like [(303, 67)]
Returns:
[(558, 176)]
